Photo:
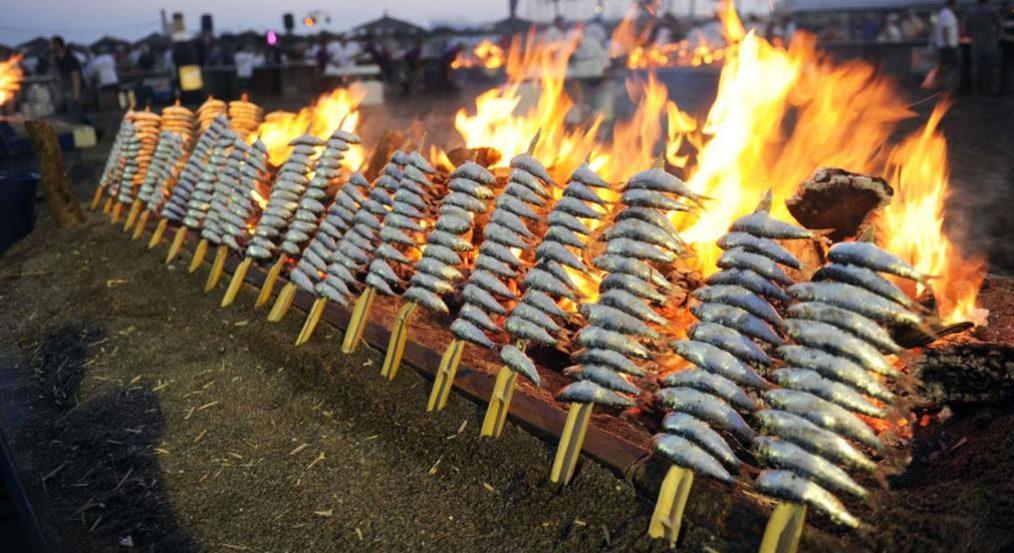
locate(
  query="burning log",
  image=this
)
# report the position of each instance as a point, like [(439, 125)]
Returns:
[(838, 200), (961, 371)]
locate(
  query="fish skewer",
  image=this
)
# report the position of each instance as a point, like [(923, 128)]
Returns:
[(246, 199), (222, 183), (441, 258), (487, 291), (139, 150), (612, 341), (228, 207), (723, 356), (538, 307), (175, 140), (313, 203), (114, 163)]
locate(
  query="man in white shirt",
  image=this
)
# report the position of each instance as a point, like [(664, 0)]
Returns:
[(342, 56), (944, 40), (102, 70)]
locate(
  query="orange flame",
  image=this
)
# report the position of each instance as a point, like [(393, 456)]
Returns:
[(487, 53), (11, 76), (911, 226), (319, 119), (642, 52)]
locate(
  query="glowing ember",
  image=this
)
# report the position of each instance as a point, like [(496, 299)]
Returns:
[(487, 54), (11, 76)]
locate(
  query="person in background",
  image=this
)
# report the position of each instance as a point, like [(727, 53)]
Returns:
[(555, 32), (891, 31), (101, 71), (246, 60), (912, 27), (983, 24), (71, 80), (145, 59), (944, 40), (343, 54)]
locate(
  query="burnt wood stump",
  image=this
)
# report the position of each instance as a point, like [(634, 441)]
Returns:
[(838, 200), (57, 188)]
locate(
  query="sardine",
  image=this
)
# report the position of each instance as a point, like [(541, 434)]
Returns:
[(540, 279), (841, 369), (603, 376), (749, 280), (531, 313), (586, 391), (814, 438), (517, 361), (810, 381), (611, 318), (567, 221), (556, 251), (478, 317), (639, 250), (856, 324), (563, 235), (577, 208), (706, 407), (698, 431), (500, 253), (737, 319), (738, 258), (523, 193), (632, 284), (441, 253), (659, 179), (832, 339), (433, 284), (386, 251), (866, 279), (481, 298), (528, 180), (740, 297), (824, 414), (516, 206), (544, 303), (713, 359), (528, 163), (473, 171), (448, 240), (653, 199), (613, 359), (467, 331), (715, 384), (584, 174), (688, 454), (636, 229), (390, 235), (503, 235), (581, 191), (866, 254), (453, 224), (470, 187), (786, 485), (524, 329), (786, 455), (600, 338), (379, 284), (729, 340), (401, 222), (618, 264), (759, 245), (763, 225), (455, 211), (438, 269), (511, 221), (495, 266), (489, 282), (425, 298), (631, 304), (466, 202), (653, 217)]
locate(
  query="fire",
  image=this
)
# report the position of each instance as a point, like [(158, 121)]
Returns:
[(642, 52), (918, 171), (487, 54), (11, 76), (319, 119)]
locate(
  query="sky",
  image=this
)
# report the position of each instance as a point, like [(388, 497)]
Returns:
[(88, 20)]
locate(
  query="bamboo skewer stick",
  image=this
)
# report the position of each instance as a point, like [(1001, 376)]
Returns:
[(135, 210), (667, 518), (354, 333), (156, 237), (444, 380), (312, 318), (268, 287), (236, 282), (117, 209), (396, 347), (97, 198), (174, 249), (500, 399), (571, 441), (199, 253), (107, 206), (142, 223), (784, 528), (216, 268), (282, 303)]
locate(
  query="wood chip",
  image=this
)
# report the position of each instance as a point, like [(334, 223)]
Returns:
[(325, 514), (433, 469), (488, 487), (299, 448)]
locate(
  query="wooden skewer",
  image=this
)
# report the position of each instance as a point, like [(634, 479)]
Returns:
[(236, 282), (499, 403), (354, 333), (174, 249), (311, 321), (672, 499), (107, 206), (156, 237), (142, 223), (268, 287), (216, 268), (97, 197), (396, 347), (135, 210), (500, 399), (444, 380), (117, 209), (784, 528), (199, 252), (571, 441), (282, 303)]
